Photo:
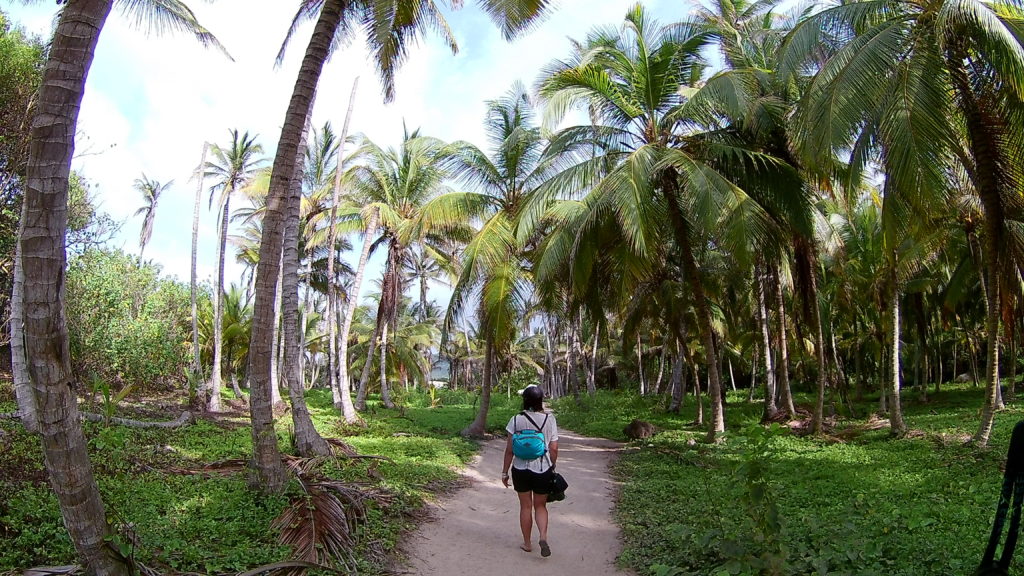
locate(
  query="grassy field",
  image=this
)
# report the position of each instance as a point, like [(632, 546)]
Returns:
[(768, 502), (212, 523), (763, 501)]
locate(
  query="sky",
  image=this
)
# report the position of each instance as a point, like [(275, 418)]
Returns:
[(152, 100)]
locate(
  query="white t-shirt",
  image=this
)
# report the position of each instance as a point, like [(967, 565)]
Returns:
[(550, 430)]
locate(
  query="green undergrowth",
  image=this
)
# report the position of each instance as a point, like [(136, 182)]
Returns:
[(765, 501), (178, 518)]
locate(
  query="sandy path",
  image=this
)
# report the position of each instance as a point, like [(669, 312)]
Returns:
[(476, 530)]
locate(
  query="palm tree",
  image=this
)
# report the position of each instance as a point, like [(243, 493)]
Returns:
[(645, 162), (492, 264), (43, 246), (937, 87), (397, 184), (308, 441), (389, 26), (197, 365), (232, 168), (151, 191)]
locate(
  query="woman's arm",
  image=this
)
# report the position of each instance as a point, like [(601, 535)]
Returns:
[(508, 462), (553, 451)]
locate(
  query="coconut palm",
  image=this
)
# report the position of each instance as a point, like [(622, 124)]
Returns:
[(938, 88), (493, 271), (397, 184), (661, 176), (45, 334), (389, 27), (232, 168), (151, 191)]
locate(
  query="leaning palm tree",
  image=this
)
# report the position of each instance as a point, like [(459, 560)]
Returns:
[(45, 333), (938, 88), (151, 191), (492, 264), (389, 26), (232, 168)]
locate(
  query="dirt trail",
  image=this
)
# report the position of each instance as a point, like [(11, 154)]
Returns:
[(476, 530)]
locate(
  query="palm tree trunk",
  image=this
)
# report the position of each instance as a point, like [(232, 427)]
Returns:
[(761, 279), (270, 475), (478, 427), (677, 381), (28, 410), (985, 177), (218, 307), (340, 389), (385, 395), (592, 376), (704, 323), (277, 355), (43, 256), (348, 410), (308, 441), (897, 426), (385, 310), (805, 256), (640, 364), (571, 379), (661, 364), (196, 363)]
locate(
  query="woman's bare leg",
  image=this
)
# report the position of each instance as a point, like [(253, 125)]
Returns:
[(526, 518), (540, 510)]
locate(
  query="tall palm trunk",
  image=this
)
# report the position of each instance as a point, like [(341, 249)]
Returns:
[(385, 310), (592, 374), (479, 425), (277, 354), (196, 362), (348, 410), (806, 263), (570, 358), (678, 387), (896, 423), (270, 471), (640, 364), (985, 176), (28, 410), (785, 393), (338, 363), (43, 256), (704, 324), (214, 404), (307, 441), (760, 278)]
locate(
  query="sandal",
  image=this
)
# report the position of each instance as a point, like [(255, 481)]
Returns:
[(524, 548), (545, 550)]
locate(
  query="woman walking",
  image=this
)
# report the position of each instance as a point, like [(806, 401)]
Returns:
[(531, 452)]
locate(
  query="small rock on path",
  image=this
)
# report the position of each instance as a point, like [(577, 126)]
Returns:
[(476, 530)]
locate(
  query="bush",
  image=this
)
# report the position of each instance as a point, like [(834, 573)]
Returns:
[(126, 324)]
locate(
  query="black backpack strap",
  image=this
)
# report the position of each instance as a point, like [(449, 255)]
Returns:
[(1013, 490), (539, 428)]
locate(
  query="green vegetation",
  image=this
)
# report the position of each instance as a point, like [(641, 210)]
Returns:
[(210, 522), (852, 502)]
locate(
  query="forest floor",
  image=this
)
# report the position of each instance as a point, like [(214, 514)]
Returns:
[(476, 529)]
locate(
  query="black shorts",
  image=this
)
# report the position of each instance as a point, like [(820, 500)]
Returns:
[(530, 481)]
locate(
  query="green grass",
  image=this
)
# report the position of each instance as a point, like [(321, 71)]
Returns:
[(918, 506), (215, 523), (866, 505)]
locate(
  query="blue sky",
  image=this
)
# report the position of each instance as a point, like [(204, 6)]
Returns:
[(151, 101)]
